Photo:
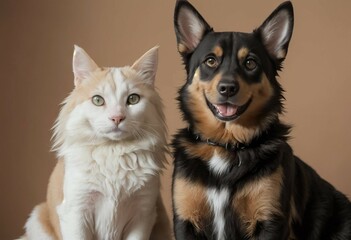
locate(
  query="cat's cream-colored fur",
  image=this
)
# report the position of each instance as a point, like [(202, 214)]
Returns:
[(106, 184)]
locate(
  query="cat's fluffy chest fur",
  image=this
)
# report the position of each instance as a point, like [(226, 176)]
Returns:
[(113, 169)]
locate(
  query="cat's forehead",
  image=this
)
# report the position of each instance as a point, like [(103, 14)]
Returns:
[(123, 75), (118, 78), (115, 78)]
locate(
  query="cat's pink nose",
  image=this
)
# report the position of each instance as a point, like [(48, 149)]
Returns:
[(117, 119)]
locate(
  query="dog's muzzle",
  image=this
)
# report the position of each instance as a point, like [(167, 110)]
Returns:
[(227, 88), (225, 108)]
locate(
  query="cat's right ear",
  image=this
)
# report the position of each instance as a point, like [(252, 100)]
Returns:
[(83, 65), (190, 27), (146, 65)]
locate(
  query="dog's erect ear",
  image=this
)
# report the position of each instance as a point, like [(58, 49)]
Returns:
[(190, 27), (276, 31)]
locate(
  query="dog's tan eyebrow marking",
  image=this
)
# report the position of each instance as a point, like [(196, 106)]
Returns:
[(242, 53), (218, 51)]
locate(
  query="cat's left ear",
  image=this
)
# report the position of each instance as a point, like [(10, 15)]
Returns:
[(146, 65), (83, 65)]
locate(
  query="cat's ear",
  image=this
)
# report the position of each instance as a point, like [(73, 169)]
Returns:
[(275, 32), (146, 65), (83, 65)]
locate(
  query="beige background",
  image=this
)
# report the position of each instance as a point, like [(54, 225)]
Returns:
[(37, 37)]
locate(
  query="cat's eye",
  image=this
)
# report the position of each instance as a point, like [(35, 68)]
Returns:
[(133, 99), (250, 64), (211, 62), (98, 100)]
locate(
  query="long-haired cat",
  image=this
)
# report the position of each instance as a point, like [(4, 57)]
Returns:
[(110, 138)]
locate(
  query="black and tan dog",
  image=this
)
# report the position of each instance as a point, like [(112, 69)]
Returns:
[(235, 176)]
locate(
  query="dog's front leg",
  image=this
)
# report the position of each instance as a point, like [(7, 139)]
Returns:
[(276, 229), (184, 229)]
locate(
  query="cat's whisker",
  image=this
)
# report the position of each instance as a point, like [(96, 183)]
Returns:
[(149, 125), (147, 131), (151, 130), (143, 123), (146, 134)]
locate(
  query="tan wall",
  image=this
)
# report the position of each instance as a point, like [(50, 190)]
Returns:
[(37, 37)]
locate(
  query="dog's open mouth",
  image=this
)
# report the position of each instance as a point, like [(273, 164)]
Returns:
[(227, 111)]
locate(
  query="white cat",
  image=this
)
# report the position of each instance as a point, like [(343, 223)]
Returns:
[(110, 138)]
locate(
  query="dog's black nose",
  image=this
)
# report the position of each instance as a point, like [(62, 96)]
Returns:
[(228, 89)]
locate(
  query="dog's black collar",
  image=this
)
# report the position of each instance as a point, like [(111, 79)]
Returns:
[(228, 146)]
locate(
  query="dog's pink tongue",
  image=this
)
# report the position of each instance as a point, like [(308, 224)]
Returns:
[(226, 110)]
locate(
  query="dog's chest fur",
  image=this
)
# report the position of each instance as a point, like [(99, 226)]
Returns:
[(218, 200), (218, 195)]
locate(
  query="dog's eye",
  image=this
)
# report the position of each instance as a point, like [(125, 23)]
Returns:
[(250, 64), (211, 62)]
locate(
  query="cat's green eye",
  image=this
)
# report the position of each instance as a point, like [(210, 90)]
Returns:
[(98, 100), (133, 99)]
